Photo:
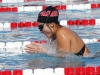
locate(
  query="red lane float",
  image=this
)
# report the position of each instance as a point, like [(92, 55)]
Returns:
[(0, 1), (80, 71), (15, 25), (8, 9), (17, 72), (83, 22), (90, 70)]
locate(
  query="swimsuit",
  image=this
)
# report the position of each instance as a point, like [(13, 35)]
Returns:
[(81, 52)]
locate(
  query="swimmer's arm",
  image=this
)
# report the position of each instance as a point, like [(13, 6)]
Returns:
[(63, 42)]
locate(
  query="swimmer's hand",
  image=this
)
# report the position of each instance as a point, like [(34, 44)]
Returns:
[(34, 48)]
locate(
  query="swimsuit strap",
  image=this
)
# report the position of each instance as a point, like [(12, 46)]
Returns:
[(81, 52)]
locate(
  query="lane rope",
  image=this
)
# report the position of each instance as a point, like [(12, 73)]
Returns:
[(59, 7), (83, 23), (19, 46), (90, 70)]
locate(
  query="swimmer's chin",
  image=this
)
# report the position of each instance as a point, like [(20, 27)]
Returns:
[(48, 36)]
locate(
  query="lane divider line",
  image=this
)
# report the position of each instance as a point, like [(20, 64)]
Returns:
[(59, 7), (18, 47), (90, 70), (83, 23)]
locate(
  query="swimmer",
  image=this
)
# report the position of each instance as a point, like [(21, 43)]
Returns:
[(65, 39)]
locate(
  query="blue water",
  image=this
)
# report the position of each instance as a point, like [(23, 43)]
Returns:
[(32, 61)]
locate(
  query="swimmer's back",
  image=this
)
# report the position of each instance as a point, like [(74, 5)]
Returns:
[(76, 43)]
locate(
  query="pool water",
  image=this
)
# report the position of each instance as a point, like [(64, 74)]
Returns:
[(10, 60)]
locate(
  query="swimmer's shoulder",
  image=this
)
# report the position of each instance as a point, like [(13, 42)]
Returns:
[(64, 30)]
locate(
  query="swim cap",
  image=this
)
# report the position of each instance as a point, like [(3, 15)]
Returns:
[(48, 15)]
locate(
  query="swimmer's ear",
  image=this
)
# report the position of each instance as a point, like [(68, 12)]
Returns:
[(52, 25)]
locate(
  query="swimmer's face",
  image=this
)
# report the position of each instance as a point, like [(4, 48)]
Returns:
[(45, 29)]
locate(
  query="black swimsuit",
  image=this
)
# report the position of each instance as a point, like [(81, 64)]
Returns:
[(81, 52)]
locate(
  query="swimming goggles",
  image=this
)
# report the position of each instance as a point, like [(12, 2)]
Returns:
[(40, 27)]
